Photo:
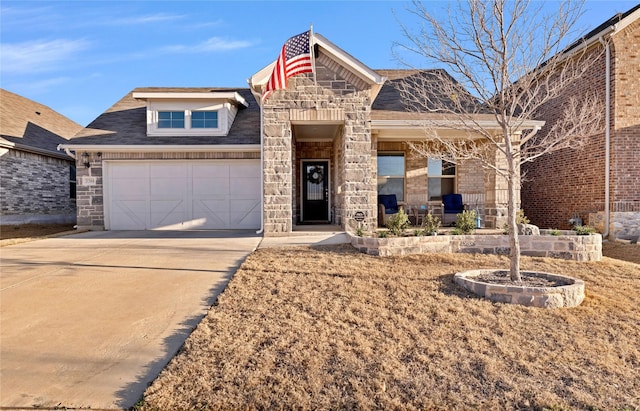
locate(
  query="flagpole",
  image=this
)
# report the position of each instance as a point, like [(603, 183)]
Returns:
[(312, 50), (261, 230)]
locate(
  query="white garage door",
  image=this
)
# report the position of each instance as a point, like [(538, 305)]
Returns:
[(182, 195)]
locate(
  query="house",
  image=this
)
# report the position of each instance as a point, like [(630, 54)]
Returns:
[(318, 152), (600, 185), (37, 182)]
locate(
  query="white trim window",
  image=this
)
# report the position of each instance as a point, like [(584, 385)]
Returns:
[(170, 119), (204, 119), (189, 118)]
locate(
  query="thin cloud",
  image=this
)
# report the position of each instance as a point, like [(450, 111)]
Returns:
[(151, 18), (212, 45), (39, 87), (39, 56)]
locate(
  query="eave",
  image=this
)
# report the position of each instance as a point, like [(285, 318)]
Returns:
[(230, 96), (162, 148)]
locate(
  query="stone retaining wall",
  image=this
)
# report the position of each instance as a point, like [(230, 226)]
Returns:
[(568, 247)]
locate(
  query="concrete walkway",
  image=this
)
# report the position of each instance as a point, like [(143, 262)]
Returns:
[(307, 235), (88, 320)]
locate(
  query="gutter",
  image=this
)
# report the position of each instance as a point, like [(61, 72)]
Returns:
[(123, 148), (66, 150)]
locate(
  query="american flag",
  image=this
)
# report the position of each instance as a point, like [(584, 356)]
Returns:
[(293, 59)]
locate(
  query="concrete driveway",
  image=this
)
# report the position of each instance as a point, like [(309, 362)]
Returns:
[(88, 320)]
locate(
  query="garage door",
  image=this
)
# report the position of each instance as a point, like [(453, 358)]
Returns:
[(182, 195)]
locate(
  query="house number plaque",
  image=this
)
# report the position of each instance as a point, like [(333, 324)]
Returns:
[(359, 216)]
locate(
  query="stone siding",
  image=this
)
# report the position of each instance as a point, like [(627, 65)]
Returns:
[(90, 186), (339, 96), (35, 189), (568, 247)]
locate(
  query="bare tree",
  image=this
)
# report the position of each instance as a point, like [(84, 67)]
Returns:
[(499, 61)]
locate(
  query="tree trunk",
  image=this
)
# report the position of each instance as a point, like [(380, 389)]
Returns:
[(513, 181)]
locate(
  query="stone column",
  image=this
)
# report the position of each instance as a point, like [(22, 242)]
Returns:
[(496, 193), (278, 167)]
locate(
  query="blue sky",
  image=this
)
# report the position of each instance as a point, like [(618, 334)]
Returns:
[(80, 57)]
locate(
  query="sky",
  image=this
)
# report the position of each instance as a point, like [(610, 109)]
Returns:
[(81, 57)]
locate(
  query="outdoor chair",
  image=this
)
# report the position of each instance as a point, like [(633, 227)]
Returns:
[(453, 206), (387, 206)]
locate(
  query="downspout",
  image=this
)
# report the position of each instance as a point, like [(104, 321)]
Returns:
[(607, 139), (66, 150)]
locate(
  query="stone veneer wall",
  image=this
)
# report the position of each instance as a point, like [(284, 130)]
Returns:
[(90, 185), (35, 189), (568, 247), (339, 97)]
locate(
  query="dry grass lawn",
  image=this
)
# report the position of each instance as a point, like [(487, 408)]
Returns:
[(330, 328), (31, 231)]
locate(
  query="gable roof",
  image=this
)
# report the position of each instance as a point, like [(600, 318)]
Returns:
[(30, 126), (125, 123), (344, 59)]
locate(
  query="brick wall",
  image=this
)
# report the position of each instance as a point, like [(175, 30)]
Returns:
[(625, 136), (572, 182), (34, 188), (569, 181)]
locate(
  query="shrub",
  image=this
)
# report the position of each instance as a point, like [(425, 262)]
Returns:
[(398, 223), (584, 229), (383, 234), (520, 219), (466, 222), (359, 231), (555, 231), (430, 224)]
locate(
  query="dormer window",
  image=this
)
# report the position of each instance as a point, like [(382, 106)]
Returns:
[(175, 114), (204, 119), (170, 119)]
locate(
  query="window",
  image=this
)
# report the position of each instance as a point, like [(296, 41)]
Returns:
[(391, 175), (204, 119), (170, 119), (72, 181), (441, 178)]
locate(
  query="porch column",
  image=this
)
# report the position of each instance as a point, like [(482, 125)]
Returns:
[(496, 192), (359, 184), (278, 171)]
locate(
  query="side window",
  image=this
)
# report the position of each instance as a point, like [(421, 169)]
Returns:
[(391, 174), (72, 181), (441, 178)]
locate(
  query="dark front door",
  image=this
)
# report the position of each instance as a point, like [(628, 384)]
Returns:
[(315, 191)]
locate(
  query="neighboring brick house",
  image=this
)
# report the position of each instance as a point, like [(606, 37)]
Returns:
[(177, 158), (572, 183), (37, 182)]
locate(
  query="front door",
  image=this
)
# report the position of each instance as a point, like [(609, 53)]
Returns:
[(315, 191)]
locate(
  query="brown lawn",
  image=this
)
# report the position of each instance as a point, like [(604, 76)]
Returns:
[(330, 328), (32, 231)]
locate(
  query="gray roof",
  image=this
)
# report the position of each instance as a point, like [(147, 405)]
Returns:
[(393, 104), (32, 126), (126, 123)]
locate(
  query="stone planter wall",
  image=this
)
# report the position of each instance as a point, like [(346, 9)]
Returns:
[(569, 295), (568, 247)]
